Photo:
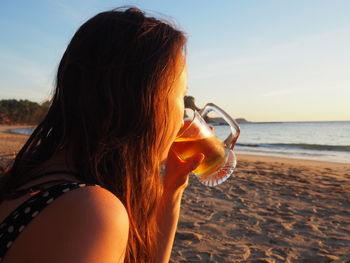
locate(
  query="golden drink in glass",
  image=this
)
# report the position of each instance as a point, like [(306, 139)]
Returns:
[(212, 148), (197, 137)]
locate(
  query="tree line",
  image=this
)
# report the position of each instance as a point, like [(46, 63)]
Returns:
[(14, 111)]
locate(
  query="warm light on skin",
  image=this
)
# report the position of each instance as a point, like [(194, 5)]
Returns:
[(176, 107)]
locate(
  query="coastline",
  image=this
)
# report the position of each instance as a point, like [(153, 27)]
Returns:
[(11, 142), (298, 140), (339, 159), (292, 161), (16, 142)]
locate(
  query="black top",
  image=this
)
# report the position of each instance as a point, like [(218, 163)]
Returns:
[(15, 222)]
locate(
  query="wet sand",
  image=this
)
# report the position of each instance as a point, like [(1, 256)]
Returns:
[(270, 210)]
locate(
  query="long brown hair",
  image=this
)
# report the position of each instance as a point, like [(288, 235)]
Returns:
[(111, 107)]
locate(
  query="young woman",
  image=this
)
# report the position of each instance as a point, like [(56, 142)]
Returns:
[(117, 107)]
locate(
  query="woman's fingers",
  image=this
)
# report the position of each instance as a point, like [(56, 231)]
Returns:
[(177, 170), (185, 166), (194, 161)]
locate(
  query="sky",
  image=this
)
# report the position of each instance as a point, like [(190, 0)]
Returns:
[(263, 60)]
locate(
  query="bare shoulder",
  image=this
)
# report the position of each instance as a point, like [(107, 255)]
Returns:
[(98, 222), (97, 206), (100, 203), (85, 225), (93, 204)]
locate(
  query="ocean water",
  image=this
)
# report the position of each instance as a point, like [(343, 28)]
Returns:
[(23, 131), (323, 141)]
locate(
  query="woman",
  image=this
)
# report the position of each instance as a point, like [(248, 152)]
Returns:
[(117, 107)]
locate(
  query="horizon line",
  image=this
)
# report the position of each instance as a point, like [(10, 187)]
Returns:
[(247, 121)]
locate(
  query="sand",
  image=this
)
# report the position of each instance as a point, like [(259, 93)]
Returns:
[(270, 210), (10, 143)]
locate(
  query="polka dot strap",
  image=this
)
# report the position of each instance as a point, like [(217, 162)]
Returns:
[(14, 223)]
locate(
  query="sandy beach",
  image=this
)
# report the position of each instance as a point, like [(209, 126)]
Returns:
[(270, 210), (10, 143)]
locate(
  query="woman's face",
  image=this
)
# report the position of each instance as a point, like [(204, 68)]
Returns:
[(176, 107)]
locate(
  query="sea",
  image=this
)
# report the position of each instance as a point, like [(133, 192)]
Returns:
[(322, 141)]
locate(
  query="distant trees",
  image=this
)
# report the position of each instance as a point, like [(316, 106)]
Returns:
[(27, 112), (22, 111)]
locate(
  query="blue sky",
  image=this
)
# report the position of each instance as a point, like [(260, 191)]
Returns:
[(262, 60)]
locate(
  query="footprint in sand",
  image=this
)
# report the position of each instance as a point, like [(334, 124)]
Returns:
[(218, 216), (188, 225), (188, 236), (212, 229), (288, 226)]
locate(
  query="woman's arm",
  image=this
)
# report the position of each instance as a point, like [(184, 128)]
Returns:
[(175, 182)]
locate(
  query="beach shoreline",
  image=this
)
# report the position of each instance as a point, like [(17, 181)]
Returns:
[(293, 161), (272, 209), (11, 142)]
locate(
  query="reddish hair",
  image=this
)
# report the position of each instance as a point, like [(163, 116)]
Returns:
[(110, 107)]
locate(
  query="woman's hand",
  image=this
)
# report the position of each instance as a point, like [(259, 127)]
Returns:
[(177, 171), (174, 183)]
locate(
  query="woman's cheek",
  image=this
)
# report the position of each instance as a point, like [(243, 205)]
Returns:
[(179, 120)]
